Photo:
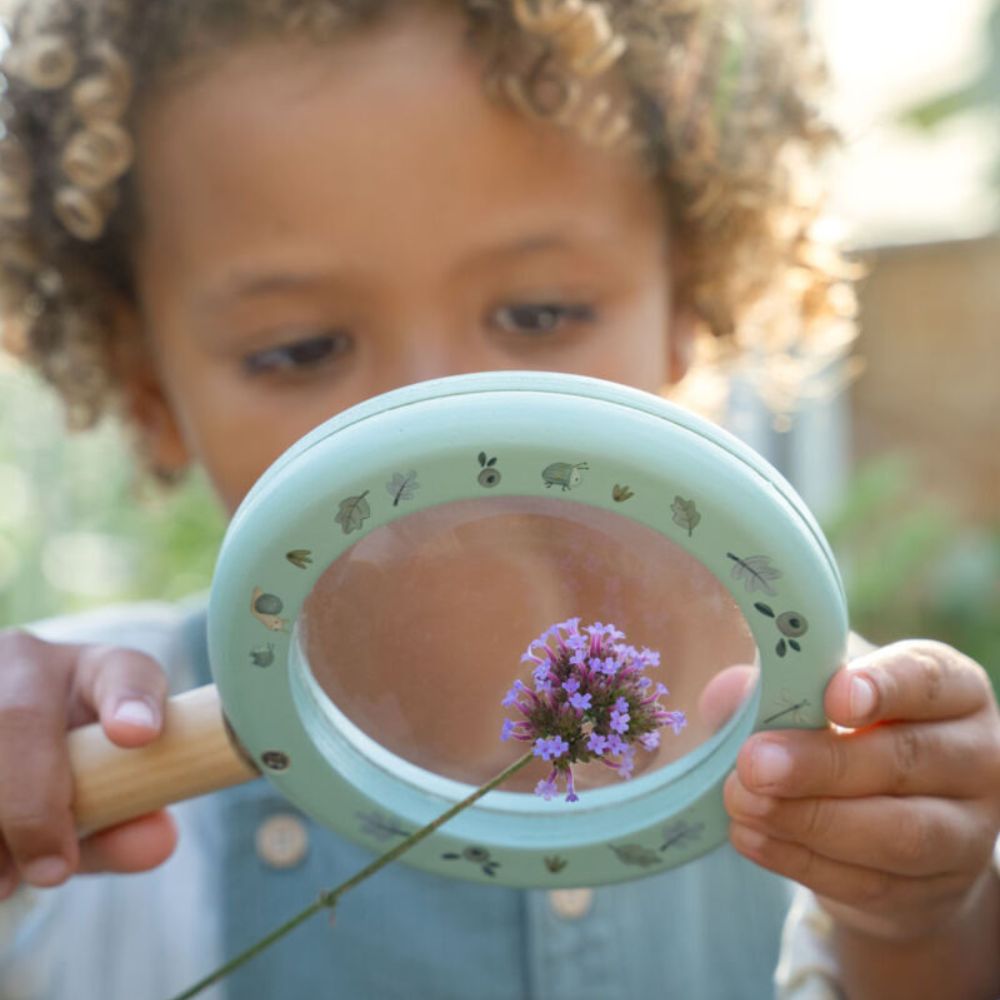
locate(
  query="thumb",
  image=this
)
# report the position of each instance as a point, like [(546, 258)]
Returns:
[(725, 693), (125, 689)]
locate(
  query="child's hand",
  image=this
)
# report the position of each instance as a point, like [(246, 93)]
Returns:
[(893, 824), (46, 689)]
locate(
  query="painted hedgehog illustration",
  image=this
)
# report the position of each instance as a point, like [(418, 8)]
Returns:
[(564, 475)]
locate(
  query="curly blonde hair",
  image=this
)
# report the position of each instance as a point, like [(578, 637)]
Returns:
[(718, 96)]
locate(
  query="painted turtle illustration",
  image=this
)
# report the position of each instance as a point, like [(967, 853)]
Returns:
[(564, 475)]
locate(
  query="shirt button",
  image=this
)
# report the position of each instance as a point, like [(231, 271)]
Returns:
[(571, 904), (282, 841)]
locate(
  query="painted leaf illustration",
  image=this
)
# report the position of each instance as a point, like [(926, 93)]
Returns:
[(685, 514), (755, 573), (402, 487), (353, 513), (680, 833)]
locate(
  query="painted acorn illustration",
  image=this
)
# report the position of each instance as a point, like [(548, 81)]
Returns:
[(267, 608), (564, 475), (791, 624), (490, 474)]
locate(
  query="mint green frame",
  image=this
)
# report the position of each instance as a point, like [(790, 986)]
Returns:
[(736, 514)]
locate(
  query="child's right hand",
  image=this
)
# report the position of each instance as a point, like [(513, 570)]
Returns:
[(45, 690)]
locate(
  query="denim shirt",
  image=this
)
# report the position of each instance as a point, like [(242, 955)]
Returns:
[(709, 930)]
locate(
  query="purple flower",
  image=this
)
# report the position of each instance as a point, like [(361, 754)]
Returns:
[(591, 701), (650, 740), (676, 720), (551, 748), (511, 697), (546, 788)]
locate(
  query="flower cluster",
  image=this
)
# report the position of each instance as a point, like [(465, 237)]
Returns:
[(591, 700)]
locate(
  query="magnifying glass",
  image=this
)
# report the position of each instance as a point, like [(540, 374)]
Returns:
[(378, 587)]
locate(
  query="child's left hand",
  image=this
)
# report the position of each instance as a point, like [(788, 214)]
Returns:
[(892, 824)]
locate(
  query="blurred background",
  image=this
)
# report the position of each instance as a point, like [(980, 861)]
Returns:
[(903, 467)]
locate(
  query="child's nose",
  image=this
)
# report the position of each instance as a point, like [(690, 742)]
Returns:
[(427, 354)]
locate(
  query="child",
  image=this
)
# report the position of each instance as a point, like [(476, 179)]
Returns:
[(235, 219)]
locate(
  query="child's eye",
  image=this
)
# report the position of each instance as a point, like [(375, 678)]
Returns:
[(537, 318), (310, 351)]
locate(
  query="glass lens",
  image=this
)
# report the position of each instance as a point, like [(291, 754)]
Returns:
[(417, 632)]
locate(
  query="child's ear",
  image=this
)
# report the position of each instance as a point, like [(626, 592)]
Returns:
[(145, 404)]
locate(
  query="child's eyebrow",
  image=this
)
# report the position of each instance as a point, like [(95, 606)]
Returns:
[(252, 282), (249, 284)]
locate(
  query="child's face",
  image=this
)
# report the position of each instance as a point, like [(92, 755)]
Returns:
[(320, 225)]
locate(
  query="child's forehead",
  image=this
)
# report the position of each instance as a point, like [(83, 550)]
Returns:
[(288, 139)]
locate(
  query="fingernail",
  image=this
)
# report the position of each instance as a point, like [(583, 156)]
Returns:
[(771, 764), (862, 697), (46, 871), (136, 712)]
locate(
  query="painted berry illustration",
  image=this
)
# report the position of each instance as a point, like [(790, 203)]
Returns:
[(478, 856), (564, 475), (353, 512), (489, 475), (267, 608), (791, 624)]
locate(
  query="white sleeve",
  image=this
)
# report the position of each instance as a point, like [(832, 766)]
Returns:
[(807, 969)]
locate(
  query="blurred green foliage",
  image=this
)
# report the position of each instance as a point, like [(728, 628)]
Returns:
[(913, 569), (78, 526), (979, 92)]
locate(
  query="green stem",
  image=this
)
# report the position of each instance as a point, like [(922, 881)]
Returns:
[(329, 898)]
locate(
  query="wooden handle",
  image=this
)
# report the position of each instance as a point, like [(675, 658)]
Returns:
[(194, 754)]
